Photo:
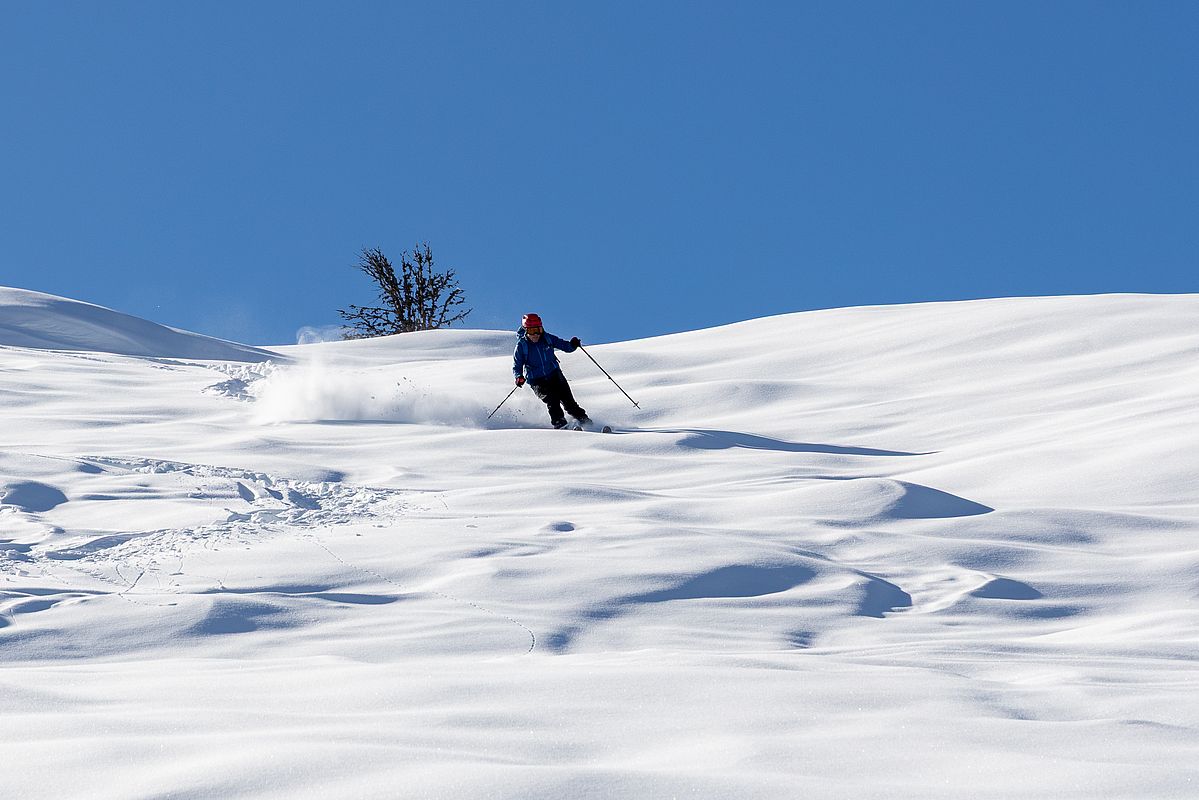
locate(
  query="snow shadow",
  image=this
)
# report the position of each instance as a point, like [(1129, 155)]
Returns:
[(14, 552), (1006, 589), (32, 599), (725, 440), (732, 581), (849, 500), (33, 497), (868, 596), (880, 597), (242, 616), (304, 592), (738, 580), (233, 611), (924, 502)]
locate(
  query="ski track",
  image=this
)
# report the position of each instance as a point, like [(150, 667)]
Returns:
[(282, 507)]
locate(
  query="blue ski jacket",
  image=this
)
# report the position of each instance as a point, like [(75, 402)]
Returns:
[(537, 361)]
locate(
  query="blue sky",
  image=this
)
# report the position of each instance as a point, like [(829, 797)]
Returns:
[(624, 168)]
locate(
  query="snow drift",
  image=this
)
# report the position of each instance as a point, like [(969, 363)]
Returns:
[(36, 320)]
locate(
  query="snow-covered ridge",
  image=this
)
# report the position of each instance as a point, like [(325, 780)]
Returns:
[(43, 321)]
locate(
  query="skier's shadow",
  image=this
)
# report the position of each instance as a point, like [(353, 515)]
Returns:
[(699, 439)]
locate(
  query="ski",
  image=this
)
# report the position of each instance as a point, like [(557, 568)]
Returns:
[(604, 429)]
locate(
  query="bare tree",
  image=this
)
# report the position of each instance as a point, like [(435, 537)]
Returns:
[(418, 299)]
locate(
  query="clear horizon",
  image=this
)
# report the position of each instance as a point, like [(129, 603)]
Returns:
[(624, 171)]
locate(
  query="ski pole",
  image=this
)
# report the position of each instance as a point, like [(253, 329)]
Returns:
[(505, 400), (601, 369)]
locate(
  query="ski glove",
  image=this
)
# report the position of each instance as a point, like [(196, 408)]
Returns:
[(520, 381), (575, 342)]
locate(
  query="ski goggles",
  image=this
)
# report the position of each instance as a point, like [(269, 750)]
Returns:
[(533, 331)]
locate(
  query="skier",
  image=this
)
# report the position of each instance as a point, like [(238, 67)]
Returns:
[(535, 360)]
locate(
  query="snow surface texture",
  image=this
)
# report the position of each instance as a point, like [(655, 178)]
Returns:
[(925, 551)]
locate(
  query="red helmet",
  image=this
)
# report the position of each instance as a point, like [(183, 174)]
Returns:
[(531, 321)]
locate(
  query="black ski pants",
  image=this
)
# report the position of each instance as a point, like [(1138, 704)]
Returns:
[(554, 391)]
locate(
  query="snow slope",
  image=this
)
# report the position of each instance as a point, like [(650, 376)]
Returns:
[(34, 319), (914, 551)]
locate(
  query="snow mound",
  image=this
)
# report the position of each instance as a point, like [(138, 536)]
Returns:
[(46, 322)]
